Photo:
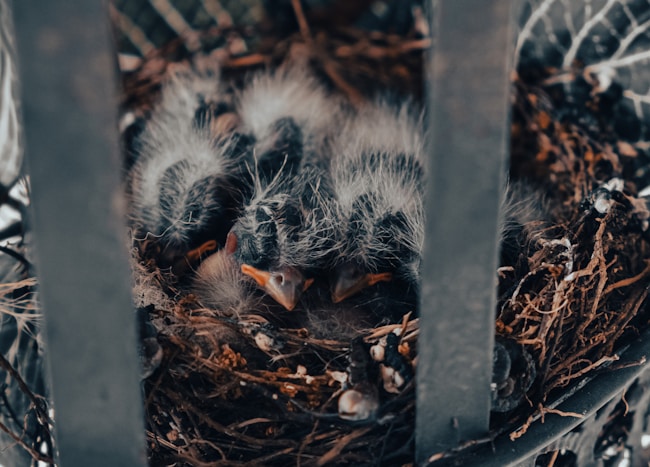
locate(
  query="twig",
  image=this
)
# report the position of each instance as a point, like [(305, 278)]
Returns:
[(302, 21), (561, 413), (32, 452), (565, 379), (17, 256), (340, 445), (247, 61), (43, 418), (630, 280), (458, 449)]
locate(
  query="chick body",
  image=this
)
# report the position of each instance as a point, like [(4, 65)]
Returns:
[(291, 118), (377, 173), (186, 182)]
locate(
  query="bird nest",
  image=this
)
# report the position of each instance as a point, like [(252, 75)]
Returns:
[(573, 284), (263, 387), (580, 285), (574, 290), (254, 389), (260, 388)]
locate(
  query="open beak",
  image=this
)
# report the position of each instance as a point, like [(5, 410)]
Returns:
[(285, 285), (349, 281)]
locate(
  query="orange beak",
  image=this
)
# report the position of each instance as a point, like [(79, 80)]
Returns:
[(285, 285), (350, 281)]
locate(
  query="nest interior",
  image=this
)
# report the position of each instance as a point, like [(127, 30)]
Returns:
[(572, 281), (263, 387)]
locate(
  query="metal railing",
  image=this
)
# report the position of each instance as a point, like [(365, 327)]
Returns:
[(469, 129), (70, 116)]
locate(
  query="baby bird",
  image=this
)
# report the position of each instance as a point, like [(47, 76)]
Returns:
[(261, 243), (290, 117), (187, 180), (377, 175), (220, 284)]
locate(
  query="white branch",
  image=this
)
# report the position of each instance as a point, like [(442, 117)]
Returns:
[(534, 18), (637, 99), (629, 38), (584, 32), (625, 61)]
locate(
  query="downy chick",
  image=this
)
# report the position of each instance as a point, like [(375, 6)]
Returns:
[(220, 284), (188, 179), (290, 117), (377, 173)]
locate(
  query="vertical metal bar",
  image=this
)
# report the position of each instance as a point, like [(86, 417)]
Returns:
[(587, 399), (69, 108), (469, 118)]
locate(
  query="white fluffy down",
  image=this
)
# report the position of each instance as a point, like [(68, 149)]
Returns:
[(382, 129), (293, 93), (171, 137), (219, 284)]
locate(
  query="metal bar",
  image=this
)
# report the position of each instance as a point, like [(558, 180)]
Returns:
[(69, 109), (585, 399), (469, 125)]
